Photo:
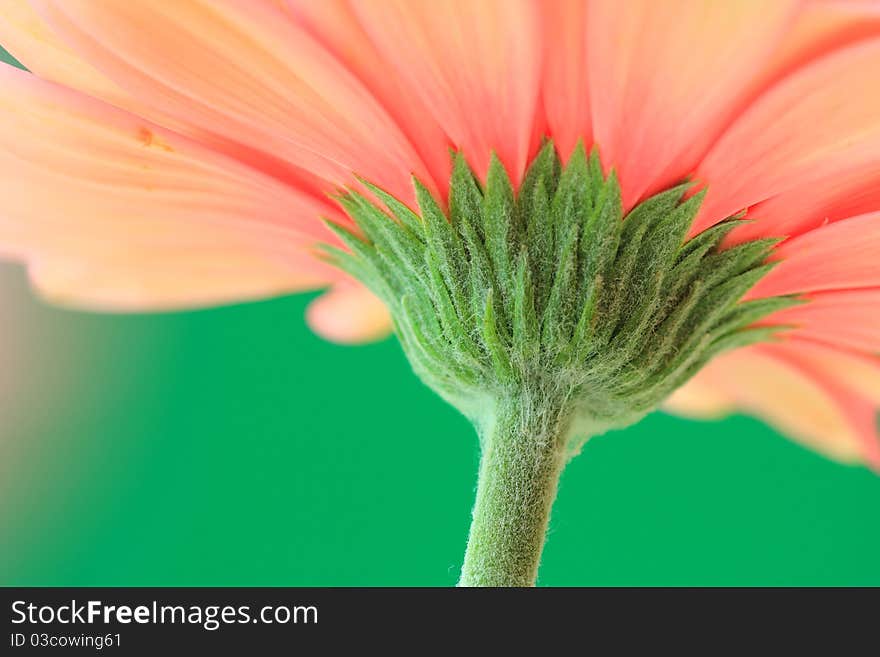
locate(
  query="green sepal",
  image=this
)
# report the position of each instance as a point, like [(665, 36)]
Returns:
[(553, 289)]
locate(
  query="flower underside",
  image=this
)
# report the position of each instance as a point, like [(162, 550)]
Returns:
[(552, 293)]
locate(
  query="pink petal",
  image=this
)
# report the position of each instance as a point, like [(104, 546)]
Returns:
[(26, 34), (837, 373), (841, 255), (843, 318), (335, 26), (802, 209), (667, 77), (699, 399), (113, 212), (31, 41), (823, 26), (566, 90), (812, 410), (475, 65), (242, 73), (820, 126), (349, 314), (856, 371)]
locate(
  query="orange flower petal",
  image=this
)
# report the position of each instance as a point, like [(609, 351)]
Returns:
[(349, 314), (822, 26), (667, 77), (242, 72), (852, 381), (334, 24), (820, 126), (475, 65), (802, 209), (858, 372), (566, 90), (113, 212), (845, 254), (699, 399), (25, 34), (847, 318), (813, 411)]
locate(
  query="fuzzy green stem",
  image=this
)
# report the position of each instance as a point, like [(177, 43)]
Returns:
[(523, 456)]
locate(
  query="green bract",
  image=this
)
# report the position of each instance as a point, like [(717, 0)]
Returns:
[(554, 290)]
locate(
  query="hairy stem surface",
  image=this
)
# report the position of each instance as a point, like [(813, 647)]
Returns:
[(523, 456)]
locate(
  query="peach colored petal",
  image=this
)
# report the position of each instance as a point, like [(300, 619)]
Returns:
[(860, 409), (766, 385), (241, 71), (845, 254), (113, 212), (475, 65), (349, 314), (822, 26), (846, 318), (566, 91), (819, 125), (31, 41), (699, 399), (858, 372), (801, 209), (334, 25), (667, 77)]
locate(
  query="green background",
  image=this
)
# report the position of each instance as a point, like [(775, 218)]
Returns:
[(232, 447)]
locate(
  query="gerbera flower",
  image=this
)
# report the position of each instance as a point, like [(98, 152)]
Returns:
[(169, 154)]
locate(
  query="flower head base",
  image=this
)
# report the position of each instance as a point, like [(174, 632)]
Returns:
[(554, 292)]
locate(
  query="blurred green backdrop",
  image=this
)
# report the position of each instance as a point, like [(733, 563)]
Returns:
[(232, 447)]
